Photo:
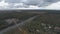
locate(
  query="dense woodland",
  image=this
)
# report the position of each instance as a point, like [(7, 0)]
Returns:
[(43, 24), (17, 15)]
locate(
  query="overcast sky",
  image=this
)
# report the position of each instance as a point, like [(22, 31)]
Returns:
[(32, 4)]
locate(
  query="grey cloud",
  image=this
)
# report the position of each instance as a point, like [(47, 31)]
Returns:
[(33, 2), (13, 1), (0, 0), (40, 2)]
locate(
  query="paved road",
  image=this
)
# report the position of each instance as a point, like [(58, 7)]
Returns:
[(19, 24)]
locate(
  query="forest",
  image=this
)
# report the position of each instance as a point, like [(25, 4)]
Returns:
[(44, 23), (4, 17)]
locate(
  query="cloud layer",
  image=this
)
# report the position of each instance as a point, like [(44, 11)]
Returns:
[(55, 6), (39, 4)]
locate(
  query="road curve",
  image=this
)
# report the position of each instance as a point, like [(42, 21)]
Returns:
[(19, 24)]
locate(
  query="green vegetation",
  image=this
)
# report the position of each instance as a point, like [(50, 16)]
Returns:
[(43, 24), (18, 15), (48, 19)]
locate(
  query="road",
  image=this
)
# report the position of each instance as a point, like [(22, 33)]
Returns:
[(19, 24)]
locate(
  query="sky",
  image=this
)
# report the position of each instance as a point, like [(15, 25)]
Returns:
[(30, 4)]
